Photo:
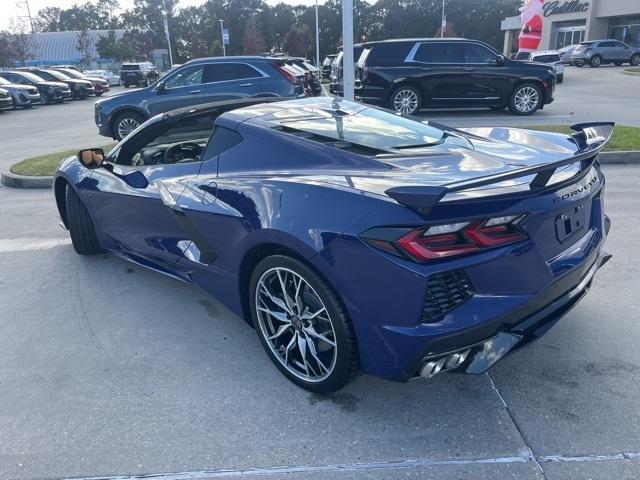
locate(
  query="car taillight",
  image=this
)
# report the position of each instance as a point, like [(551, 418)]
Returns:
[(291, 78), (447, 240)]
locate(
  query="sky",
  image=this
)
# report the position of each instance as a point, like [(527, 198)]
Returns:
[(11, 9)]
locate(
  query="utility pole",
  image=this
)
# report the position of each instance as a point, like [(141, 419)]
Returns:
[(317, 40), (348, 73), (224, 50), (166, 31), (443, 22), (19, 5)]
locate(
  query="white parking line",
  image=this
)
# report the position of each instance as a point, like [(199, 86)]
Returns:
[(358, 467), (29, 244)]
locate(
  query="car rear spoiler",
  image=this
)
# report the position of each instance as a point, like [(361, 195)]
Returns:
[(589, 137)]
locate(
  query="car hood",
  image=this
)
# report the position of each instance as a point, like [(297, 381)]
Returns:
[(48, 83), (97, 79), (75, 81), (17, 86), (465, 155)]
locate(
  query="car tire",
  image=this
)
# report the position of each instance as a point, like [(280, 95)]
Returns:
[(81, 229), (27, 106), (99, 94), (322, 361), (560, 78), (125, 85), (125, 123), (525, 99), (406, 100), (595, 61), (635, 59), (617, 64)]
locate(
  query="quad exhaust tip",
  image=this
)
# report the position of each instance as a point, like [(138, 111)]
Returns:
[(444, 363)]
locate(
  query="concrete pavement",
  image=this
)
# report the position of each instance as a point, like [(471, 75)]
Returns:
[(109, 369)]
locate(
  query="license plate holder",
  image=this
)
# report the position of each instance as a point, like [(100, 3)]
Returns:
[(570, 222)]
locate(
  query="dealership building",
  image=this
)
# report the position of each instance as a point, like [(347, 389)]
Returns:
[(567, 22)]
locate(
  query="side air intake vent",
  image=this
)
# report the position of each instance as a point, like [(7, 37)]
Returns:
[(445, 291)]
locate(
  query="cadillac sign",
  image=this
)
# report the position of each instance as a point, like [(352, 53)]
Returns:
[(558, 8)]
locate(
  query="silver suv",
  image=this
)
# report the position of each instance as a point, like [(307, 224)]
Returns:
[(597, 52)]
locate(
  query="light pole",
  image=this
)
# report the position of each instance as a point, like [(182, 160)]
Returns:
[(26, 3), (317, 40), (443, 21), (348, 73), (224, 50), (166, 31)]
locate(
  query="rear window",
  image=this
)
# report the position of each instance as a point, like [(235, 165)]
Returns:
[(546, 58), (130, 67), (222, 72), (385, 54), (370, 128)]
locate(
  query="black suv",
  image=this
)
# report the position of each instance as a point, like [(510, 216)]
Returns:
[(407, 75), (142, 74)]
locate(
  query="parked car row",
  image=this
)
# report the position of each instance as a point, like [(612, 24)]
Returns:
[(26, 87), (201, 81)]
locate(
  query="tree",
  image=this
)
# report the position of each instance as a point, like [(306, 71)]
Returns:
[(85, 47), (21, 45), (89, 16), (252, 44), (298, 41)]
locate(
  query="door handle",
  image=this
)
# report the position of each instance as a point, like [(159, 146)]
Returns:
[(468, 69), (193, 92), (245, 84)]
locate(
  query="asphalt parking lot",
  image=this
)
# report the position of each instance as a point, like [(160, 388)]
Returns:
[(585, 95), (110, 370)]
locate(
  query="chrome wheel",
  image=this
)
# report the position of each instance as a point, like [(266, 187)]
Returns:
[(526, 99), (405, 102), (126, 126), (295, 324), (635, 60)]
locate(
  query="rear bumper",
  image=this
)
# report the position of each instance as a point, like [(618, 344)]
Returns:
[(525, 325)]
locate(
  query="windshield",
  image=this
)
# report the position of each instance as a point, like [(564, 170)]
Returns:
[(130, 67), (370, 128)]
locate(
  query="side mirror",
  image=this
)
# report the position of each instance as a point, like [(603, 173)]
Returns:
[(499, 60), (161, 88), (91, 157)]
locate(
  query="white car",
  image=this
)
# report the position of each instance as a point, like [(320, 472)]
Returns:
[(549, 57), (112, 78)]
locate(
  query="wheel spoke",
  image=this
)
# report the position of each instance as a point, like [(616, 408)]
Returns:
[(287, 299), (276, 300), (311, 331), (277, 315), (306, 316), (290, 345), (281, 330), (314, 353)]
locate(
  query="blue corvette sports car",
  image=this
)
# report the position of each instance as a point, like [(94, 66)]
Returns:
[(353, 239)]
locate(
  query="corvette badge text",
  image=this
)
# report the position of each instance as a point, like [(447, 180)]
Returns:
[(583, 188)]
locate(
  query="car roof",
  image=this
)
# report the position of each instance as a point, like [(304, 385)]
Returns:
[(425, 39), (238, 58), (545, 52)]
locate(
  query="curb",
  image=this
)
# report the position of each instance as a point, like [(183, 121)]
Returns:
[(22, 181), (619, 158)]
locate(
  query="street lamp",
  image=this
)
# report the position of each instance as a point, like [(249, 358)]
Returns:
[(166, 31), (224, 50), (317, 40), (348, 73), (443, 21)]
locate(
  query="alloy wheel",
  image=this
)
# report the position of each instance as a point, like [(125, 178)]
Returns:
[(526, 99), (595, 61), (405, 102), (126, 126), (635, 60), (296, 324)]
